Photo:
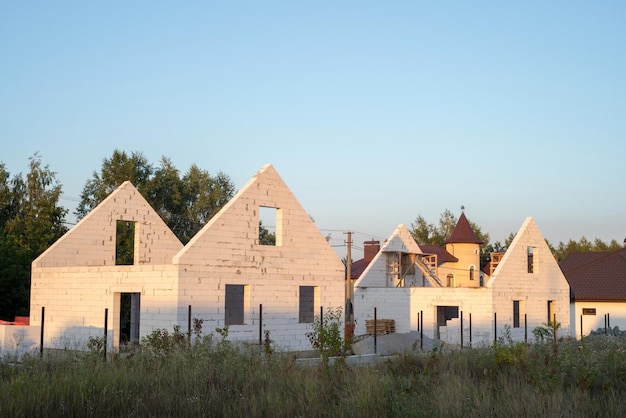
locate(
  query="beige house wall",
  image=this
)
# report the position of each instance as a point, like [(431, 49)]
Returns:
[(468, 256)]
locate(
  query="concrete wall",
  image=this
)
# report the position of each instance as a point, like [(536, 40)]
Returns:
[(512, 281), (75, 300), (616, 312), (18, 339), (227, 251), (76, 279)]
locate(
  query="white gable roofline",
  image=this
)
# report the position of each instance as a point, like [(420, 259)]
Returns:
[(92, 227), (237, 222), (399, 241), (224, 209), (528, 228)]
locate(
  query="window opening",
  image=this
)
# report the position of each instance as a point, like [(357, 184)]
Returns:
[(401, 269), (124, 243), (551, 310), (518, 313), (444, 314), (235, 304), (269, 225), (471, 272), (307, 304), (450, 278), (531, 253), (130, 306)]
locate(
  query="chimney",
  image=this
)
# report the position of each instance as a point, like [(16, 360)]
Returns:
[(370, 249)]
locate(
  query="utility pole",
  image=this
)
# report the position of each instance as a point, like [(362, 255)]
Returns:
[(349, 289)]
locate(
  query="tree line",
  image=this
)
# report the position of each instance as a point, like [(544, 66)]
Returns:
[(428, 233)]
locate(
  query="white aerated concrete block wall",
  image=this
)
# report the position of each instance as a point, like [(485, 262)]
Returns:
[(227, 251)]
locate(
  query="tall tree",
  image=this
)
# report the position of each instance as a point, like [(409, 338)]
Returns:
[(30, 221), (427, 233), (185, 203), (115, 170)]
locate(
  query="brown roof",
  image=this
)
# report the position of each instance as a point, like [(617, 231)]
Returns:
[(442, 255), (463, 233), (357, 268), (599, 276)]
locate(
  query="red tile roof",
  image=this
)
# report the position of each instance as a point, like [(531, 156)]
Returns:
[(463, 233), (357, 268), (442, 255), (596, 276)]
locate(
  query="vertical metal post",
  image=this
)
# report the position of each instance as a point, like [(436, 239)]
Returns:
[(495, 327), (261, 324), (421, 330), (526, 328), (106, 326), (189, 325), (581, 330), (43, 317), (608, 320), (470, 329), (418, 322), (461, 330), (321, 341), (375, 332), (554, 329)]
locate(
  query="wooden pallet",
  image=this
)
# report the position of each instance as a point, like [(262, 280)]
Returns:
[(383, 326)]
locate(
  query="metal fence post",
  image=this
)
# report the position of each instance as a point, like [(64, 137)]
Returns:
[(43, 317)]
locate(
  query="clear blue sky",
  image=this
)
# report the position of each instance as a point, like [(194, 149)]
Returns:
[(372, 112)]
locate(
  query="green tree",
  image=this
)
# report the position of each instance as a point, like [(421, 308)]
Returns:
[(583, 245), (265, 236), (185, 203), (427, 233), (30, 221)]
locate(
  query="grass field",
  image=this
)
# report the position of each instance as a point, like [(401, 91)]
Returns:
[(219, 378)]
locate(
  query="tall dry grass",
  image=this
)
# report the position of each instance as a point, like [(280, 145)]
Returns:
[(213, 378)]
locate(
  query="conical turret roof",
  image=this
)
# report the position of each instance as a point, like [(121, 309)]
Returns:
[(463, 233)]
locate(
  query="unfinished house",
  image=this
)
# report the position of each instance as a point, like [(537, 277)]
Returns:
[(598, 290), (439, 291), (122, 259)]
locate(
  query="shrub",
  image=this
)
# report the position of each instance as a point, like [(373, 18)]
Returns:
[(326, 335)]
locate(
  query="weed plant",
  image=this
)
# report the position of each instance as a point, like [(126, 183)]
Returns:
[(167, 375)]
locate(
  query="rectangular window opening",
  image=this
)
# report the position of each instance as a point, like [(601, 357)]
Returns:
[(270, 226), (589, 311), (124, 243), (236, 304), (307, 307), (531, 253), (518, 313), (551, 311), (130, 305)]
